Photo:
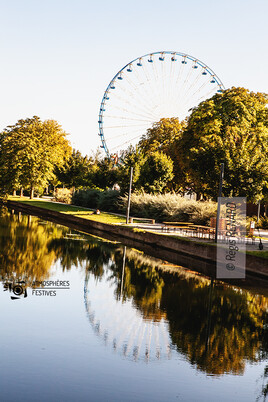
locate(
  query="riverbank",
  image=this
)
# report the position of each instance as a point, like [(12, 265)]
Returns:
[(172, 248)]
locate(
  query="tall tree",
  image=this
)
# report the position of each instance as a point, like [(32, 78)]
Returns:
[(231, 127), (29, 152), (133, 157), (103, 174), (156, 172), (76, 170), (161, 137)]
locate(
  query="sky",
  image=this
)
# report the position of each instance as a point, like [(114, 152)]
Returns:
[(58, 56)]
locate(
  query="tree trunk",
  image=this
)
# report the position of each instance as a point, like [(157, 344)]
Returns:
[(32, 193), (14, 193), (21, 192)]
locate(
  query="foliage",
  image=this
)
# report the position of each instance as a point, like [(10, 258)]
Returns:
[(162, 137), (25, 253), (171, 207), (133, 157), (76, 171), (63, 195), (156, 173), (262, 224), (86, 198), (231, 127), (212, 345), (151, 173), (103, 174), (105, 200), (29, 152)]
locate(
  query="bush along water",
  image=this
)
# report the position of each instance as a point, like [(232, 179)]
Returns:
[(105, 200), (161, 207), (170, 207)]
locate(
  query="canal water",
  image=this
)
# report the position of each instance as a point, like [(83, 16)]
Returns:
[(85, 319)]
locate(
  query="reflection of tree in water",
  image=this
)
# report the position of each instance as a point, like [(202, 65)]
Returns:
[(216, 335), (141, 282), (90, 253), (25, 254)]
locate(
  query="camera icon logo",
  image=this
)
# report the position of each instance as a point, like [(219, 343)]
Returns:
[(230, 266)]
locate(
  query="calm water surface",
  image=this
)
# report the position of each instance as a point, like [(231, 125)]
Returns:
[(84, 319)]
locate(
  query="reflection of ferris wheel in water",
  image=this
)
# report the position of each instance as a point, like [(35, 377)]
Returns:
[(151, 87), (123, 328)]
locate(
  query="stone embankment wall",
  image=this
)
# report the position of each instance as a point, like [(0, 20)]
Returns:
[(160, 245)]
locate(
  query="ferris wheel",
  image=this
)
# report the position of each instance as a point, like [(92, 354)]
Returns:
[(157, 85)]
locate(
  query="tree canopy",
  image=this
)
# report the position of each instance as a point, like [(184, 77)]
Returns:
[(152, 172), (76, 170), (161, 138), (29, 152), (231, 127)]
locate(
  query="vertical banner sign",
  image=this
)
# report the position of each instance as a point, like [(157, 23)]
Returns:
[(231, 246)]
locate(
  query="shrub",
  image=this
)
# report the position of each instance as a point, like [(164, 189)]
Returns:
[(106, 200), (170, 207), (63, 195), (87, 198)]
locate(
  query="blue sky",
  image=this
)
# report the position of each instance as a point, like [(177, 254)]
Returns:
[(57, 57)]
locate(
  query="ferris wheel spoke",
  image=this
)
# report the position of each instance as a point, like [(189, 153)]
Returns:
[(141, 105), (130, 132), (187, 79), (131, 100), (125, 126), (125, 134), (145, 93), (128, 112), (201, 87), (151, 82), (127, 142), (141, 95), (180, 97), (127, 118), (195, 82), (203, 97), (171, 74)]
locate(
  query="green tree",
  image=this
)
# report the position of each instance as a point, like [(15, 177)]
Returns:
[(162, 137), (29, 152), (103, 174), (135, 158), (231, 127), (156, 172), (76, 170)]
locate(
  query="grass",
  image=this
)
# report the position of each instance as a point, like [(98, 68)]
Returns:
[(81, 212), (105, 217), (259, 253)]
